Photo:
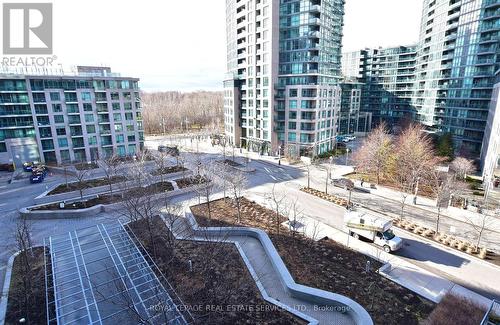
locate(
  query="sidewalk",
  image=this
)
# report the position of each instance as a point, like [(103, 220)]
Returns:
[(420, 281), (430, 205)]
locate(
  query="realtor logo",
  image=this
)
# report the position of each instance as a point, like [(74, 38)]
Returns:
[(27, 28)]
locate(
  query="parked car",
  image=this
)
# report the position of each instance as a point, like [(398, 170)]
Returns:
[(36, 178), (28, 166), (162, 148), (344, 183), (40, 170)]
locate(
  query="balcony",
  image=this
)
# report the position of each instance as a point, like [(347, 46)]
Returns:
[(314, 21)]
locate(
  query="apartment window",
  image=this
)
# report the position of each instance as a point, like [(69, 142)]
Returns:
[(117, 117), (292, 104), (131, 138), (127, 106), (90, 129), (39, 98), (58, 119), (87, 107), (61, 131), (120, 138), (129, 116), (127, 96), (41, 109), (119, 127), (65, 156), (47, 144), (115, 96), (56, 108), (86, 96), (130, 127), (63, 142), (116, 106), (292, 136), (92, 140), (45, 132), (125, 84), (89, 118), (292, 125), (55, 97), (70, 97)]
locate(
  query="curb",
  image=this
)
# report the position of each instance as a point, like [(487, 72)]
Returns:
[(6, 287)]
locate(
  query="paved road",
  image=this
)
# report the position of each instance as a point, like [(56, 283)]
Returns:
[(470, 273), (392, 208)]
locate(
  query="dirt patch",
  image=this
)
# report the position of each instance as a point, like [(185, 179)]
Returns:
[(108, 198), (454, 310), (168, 170), (232, 163), (190, 181), (75, 186), (30, 306), (86, 166), (216, 287), (325, 265)]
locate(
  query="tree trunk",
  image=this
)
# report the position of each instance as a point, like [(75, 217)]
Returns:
[(437, 219)]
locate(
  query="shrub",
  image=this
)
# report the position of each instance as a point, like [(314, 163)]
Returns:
[(453, 310)]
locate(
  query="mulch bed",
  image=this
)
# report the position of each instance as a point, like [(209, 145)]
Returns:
[(168, 170), (75, 186), (85, 166), (108, 199), (33, 310), (219, 289), (232, 163), (454, 310), (190, 181), (325, 264)]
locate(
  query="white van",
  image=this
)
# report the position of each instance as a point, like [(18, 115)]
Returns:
[(373, 228)]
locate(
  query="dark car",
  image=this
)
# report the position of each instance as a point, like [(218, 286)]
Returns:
[(28, 166), (162, 148), (344, 183), (36, 178)]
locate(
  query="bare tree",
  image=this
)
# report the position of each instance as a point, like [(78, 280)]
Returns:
[(462, 166), (80, 176), (237, 182), (161, 164), (277, 200), (207, 177), (24, 245), (443, 186), (294, 215), (375, 153), (110, 166), (480, 226)]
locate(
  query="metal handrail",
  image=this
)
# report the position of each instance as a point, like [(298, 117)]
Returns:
[(491, 311)]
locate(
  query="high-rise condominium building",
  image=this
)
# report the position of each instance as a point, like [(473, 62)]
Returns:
[(458, 54), (446, 81), (58, 119), (351, 119), (283, 64), (388, 75)]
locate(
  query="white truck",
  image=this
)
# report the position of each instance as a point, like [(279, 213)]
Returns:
[(375, 229)]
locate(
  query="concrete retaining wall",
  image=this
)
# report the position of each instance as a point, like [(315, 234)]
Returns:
[(317, 296), (92, 211)]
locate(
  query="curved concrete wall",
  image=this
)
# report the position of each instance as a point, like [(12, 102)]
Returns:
[(359, 314)]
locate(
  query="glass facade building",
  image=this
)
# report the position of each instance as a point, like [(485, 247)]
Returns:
[(445, 81), (283, 63), (59, 119)]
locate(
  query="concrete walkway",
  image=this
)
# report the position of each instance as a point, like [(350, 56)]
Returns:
[(406, 274), (271, 282)]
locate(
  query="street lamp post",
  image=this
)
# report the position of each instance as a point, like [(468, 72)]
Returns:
[(279, 155)]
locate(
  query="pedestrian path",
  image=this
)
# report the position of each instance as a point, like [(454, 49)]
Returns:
[(428, 204), (274, 280)]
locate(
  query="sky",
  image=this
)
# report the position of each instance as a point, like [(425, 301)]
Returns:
[(180, 45)]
